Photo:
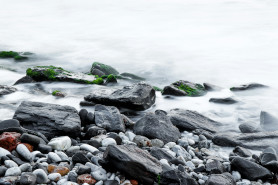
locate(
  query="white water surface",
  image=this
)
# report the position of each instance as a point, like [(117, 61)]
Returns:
[(223, 42)]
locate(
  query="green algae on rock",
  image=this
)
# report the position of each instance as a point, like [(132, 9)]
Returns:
[(111, 79), (184, 88), (106, 69), (14, 55), (52, 73), (157, 88)]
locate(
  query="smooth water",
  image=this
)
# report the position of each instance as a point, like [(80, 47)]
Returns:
[(223, 42)]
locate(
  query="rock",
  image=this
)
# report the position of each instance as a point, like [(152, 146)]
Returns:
[(45, 149), (139, 96), (215, 167), (4, 90), (161, 153), (72, 176), (248, 87), (236, 175), (9, 140), (88, 148), (14, 171), (211, 87), (53, 157), (3, 170), (191, 120), (131, 76), (111, 79), (220, 179), (86, 178), (223, 100), (80, 158), (86, 117), (52, 73), (58, 93), (142, 141), (184, 88), (25, 79), (269, 159), (97, 72), (28, 178), (15, 159), (26, 167), (268, 122), (174, 177), (9, 123), (86, 103), (242, 152), (10, 164), (24, 152), (41, 176), (247, 128), (255, 141), (62, 155), (157, 126), (54, 177), (62, 170), (133, 161), (83, 170), (99, 174), (250, 170), (106, 69), (94, 131), (108, 141), (157, 143), (109, 118), (32, 139), (60, 143), (50, 119)]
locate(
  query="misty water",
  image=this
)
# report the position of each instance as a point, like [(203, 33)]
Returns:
[(222, 42)]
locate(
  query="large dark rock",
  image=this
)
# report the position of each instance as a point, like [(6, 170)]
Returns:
[(269, 159), (50, 119), (157, 126), (139, 96), (174, 177), (106, 69), (191, 120), (249, 169), (220, 179), (133, 161), (242, 152), (268, 122), (247, 87), (9, 123), (4, 90), (25, 79), (255, 141), (109, 118), (184, 88), (228, 100), (52, 73)]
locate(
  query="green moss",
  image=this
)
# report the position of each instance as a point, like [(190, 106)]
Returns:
[(106, 69), (189, 90), (55, 92), (32, 73), (98, 81), (111, 79), (50, 74), (12, 54), (157, 88), (158, 179)]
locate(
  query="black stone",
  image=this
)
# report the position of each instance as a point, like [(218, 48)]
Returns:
[(45, 149), (31, 139), (223, 100), (80, 158), (242, 152), (82, 169), (248, 87), (28, 178), (10, 123)]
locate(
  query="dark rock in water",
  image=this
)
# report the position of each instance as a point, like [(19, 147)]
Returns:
[(106, 69), (25, 79), (220, 179), (132, 76), (86, 103), (97, 72), (215, 167), (4, 90), (133, 161), (28, 178), (50, 119), (223, 100), (139, 96), (52, 73), (242, 152), (256, 141), (31, 139), (211, 87), (157, 126), (109, 118), (9, 123), (174, 177), (111, 79), (15, 55), (79, 157), (191, 120), (250, 170), (160, 153), (248, 87), (268, 122), (184, 88), (248, 128)]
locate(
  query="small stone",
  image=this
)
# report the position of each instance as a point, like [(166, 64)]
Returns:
[(25, 167), (99, 174), (24, 152), (242, 152), (108, 141), (28, 178), (45, 149), (29, 147), (54, 157), (236, 175), (10, 164), (9, 140), (80, 158), (60, 143), (134, 182), (54, 177), (31, 139), (157, 143), (9, 123), (83, 170), (86, 178), (89, 148), (62, 155), (3, 170), (41, 176), (130, 135), (58, 169), (72, 176), (14, 171), (142, 141), (4, 152)]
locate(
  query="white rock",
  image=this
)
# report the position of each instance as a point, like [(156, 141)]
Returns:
[(41, 176), (10, 164), (170, 145), (60, 143), (130, 135), (197, 161), (54, 157), (190, 165), (3, 152), (54, 177), (108, 141), (62, 155), (123, 136), (191, 141), (26, 167), (14, 171), (236, 175), (99, 174), (89, 148), (24, 152)]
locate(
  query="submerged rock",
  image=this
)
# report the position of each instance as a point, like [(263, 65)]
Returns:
[(132, 76), (133, 161), (268, 122), (157, 126), (4, 90), (139, 96), (106, 69), (248, 87), (248, 128), (184, 88), (191, 120), (25, 79), (211, 87), (15, 55), (52, 73), (223, 100), (50, 119)]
